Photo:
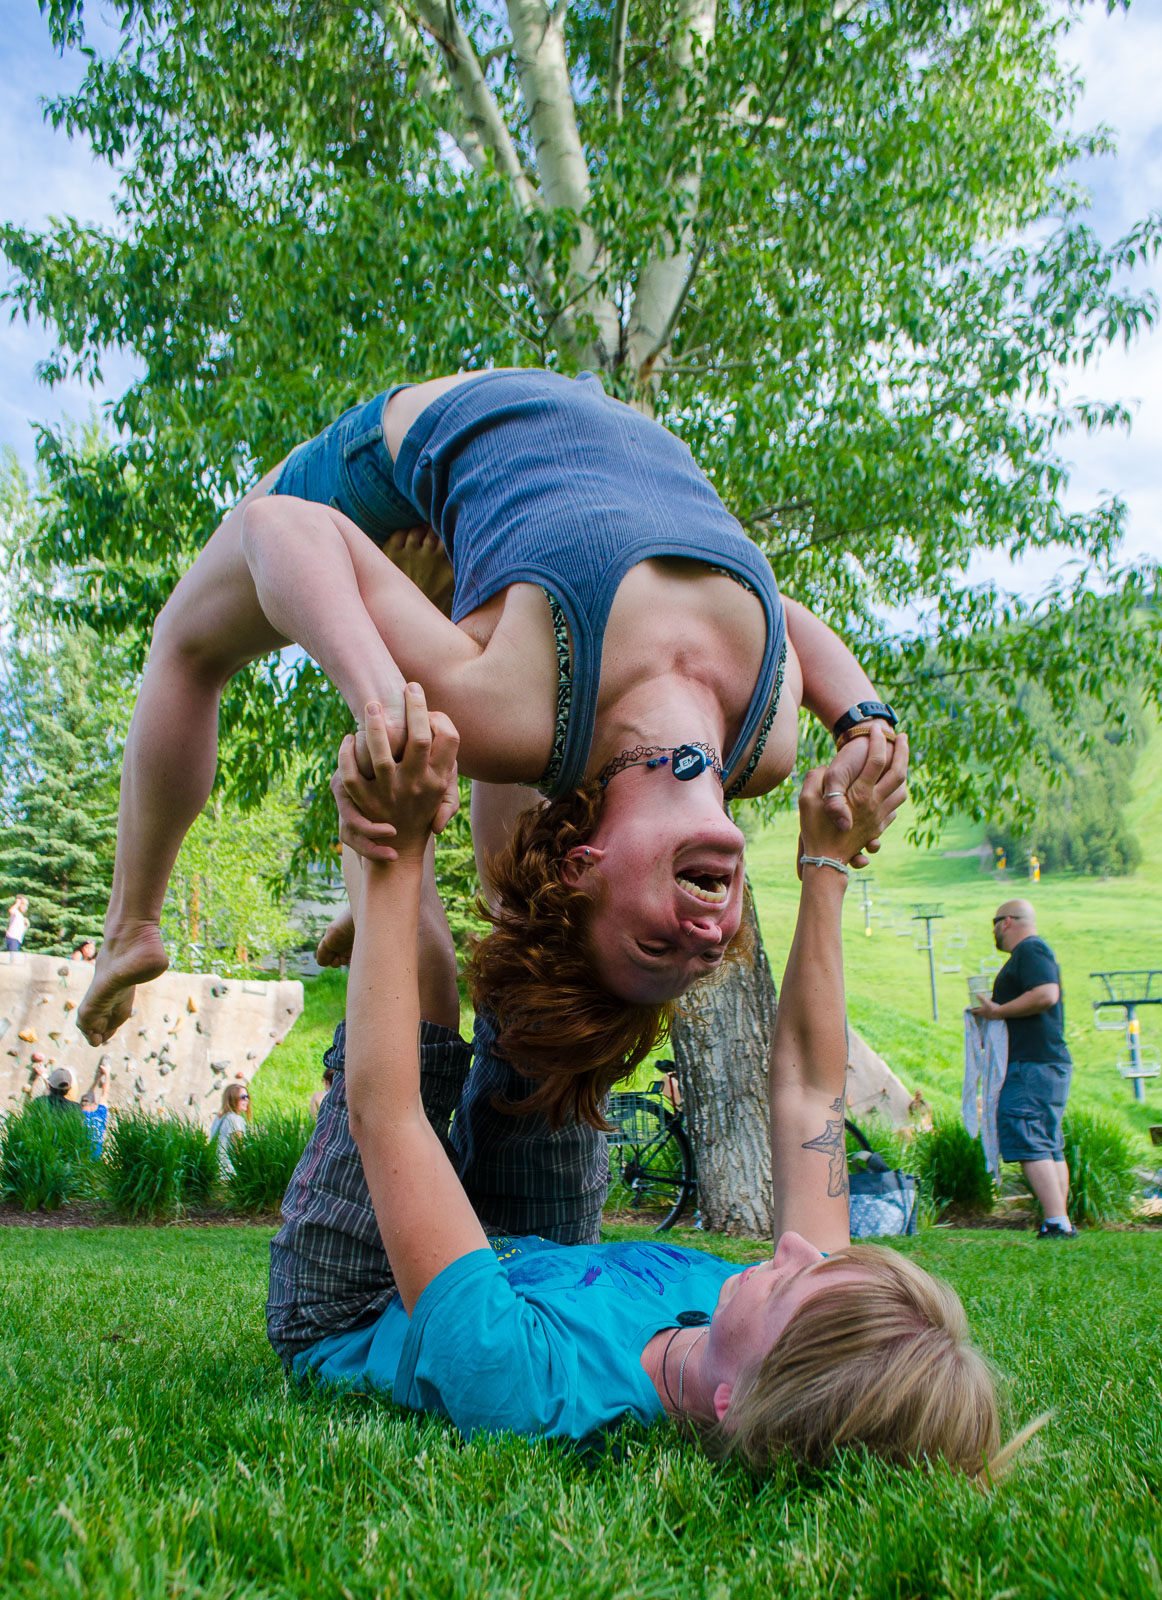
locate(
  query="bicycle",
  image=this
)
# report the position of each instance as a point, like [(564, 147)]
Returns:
[(651, 1161)]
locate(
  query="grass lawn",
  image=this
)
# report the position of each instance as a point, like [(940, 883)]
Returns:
[(154, 1449)]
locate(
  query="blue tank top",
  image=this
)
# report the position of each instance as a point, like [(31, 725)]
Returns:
[(531, 477)]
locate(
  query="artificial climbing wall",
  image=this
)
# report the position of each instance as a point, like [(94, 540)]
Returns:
[(189, 1034)]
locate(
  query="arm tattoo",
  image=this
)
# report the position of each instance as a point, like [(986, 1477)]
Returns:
[(831, 1143)]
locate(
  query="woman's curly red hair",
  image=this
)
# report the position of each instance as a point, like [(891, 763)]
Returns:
[(534, 973)]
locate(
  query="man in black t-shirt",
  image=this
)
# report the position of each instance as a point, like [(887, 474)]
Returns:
[(1027, 997)]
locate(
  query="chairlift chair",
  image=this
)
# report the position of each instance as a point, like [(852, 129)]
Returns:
[(1148, 1064), (1110, 1024)]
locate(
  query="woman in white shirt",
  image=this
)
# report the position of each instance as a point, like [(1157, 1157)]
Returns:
[(230, 1123)]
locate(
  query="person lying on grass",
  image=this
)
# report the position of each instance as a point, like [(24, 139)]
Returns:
[(821, 1346), (612, 627)]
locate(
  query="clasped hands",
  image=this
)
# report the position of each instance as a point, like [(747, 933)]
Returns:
[(873, 797), (391, 814)]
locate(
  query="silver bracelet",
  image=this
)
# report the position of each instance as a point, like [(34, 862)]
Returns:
[(824, 861)]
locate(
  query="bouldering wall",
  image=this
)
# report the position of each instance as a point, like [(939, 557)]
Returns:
[(188, 1037), (873, 1086)]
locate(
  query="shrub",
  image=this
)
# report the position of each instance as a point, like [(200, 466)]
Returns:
[(264, 1158), (157, 1165), (882, 1138), (951, 1167), (1103, 1185), (46, 1158)]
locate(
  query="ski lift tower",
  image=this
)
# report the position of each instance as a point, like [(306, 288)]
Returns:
[(928, 915), (1125, 992)]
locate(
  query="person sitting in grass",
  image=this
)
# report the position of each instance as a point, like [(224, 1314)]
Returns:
[(821, 1345)]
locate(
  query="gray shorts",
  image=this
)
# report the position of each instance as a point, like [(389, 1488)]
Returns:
[(1029, 1111)]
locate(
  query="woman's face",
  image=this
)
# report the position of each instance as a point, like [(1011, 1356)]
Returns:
[(667, 892), (755, 1306)]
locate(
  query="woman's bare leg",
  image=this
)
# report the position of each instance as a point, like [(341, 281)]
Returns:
[(240, 600)]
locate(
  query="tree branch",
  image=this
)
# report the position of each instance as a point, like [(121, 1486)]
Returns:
[(662, 343), (477, 103), (547, 87), (617, 59)]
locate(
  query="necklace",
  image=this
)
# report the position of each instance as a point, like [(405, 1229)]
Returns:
[(678, 1404), (685, 761)]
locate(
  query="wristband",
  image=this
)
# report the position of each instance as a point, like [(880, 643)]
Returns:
[(862, 730), (825, 861)]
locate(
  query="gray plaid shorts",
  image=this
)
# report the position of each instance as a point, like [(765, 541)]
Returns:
[(328, 1268)]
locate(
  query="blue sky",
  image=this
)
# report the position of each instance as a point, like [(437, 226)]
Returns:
[(43, 174)]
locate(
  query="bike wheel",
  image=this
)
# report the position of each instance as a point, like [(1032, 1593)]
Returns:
[(651, 1163)]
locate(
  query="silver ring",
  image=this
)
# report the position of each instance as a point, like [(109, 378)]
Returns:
[(832, 793)]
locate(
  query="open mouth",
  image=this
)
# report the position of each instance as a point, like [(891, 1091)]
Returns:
[(710, 888)]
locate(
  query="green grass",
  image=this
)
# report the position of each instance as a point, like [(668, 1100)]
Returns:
[(293, 1070), (153, 1449)]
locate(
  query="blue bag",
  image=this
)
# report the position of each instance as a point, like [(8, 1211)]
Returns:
[(882, 1200)]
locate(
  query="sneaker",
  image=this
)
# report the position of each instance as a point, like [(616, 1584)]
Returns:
[(1054, 1230)]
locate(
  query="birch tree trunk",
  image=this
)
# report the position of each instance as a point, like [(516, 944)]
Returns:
[(721, 1043)]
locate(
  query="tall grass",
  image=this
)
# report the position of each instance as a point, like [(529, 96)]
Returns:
[(951, 1167), (1103, 1185), (157, 1166), (46, 1158), (264, 1158)]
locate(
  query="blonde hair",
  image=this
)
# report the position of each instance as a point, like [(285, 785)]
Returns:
[(883, 1361)]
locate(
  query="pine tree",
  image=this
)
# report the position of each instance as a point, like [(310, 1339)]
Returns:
[(65, 720)]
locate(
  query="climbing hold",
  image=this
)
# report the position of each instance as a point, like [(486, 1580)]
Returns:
[(28, 1035), (191, 1005), (70, 1005)]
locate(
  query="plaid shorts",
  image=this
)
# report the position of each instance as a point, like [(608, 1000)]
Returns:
[(328, 1268)]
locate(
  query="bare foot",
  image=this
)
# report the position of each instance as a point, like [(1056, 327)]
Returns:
[(123, 961), (419, 554), (335, 946)]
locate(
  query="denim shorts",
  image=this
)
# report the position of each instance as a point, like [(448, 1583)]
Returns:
[(347, 466), (1030, 1109)]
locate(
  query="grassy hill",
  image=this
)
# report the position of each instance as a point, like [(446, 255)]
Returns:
[(1092, 924)]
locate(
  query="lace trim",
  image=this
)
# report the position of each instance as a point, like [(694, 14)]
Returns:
[(564, 695), (741, 782)]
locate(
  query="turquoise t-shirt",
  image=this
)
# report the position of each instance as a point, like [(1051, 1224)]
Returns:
[(529, 1337)]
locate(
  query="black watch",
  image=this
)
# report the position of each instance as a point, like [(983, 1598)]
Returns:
[(865, 711)]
